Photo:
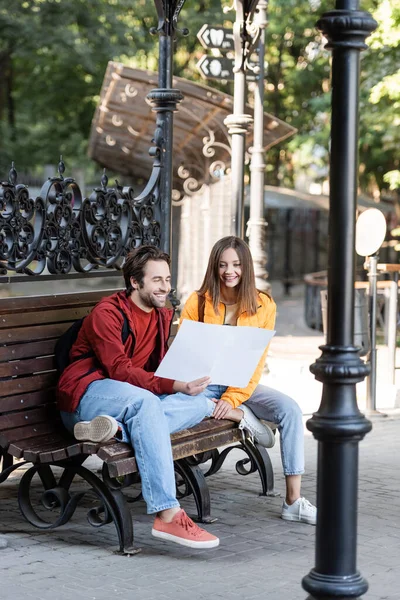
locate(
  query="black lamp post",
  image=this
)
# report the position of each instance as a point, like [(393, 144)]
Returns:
[(338, 425), (164, 101)]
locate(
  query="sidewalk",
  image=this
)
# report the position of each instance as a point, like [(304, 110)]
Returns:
[(295, 347), (260, 555)]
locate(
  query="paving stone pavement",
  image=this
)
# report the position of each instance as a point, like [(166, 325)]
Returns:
[(260, 557)]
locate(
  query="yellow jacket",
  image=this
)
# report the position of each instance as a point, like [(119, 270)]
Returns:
[(264, 317)]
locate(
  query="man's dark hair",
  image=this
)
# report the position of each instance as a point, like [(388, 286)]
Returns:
[(136, 261)]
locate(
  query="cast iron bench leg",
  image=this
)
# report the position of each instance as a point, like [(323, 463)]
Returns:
[(197, 485)]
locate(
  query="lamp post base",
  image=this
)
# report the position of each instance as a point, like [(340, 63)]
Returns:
[(324, 587)]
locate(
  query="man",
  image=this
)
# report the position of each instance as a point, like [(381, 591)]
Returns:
[(109, 389)]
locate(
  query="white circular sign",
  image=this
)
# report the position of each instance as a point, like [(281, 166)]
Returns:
[(370, 231)]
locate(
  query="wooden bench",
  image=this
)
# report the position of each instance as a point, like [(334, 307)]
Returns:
[(31, 430)]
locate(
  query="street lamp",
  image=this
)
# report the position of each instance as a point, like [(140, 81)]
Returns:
[(164, 101), (238, 122), (338, 425)]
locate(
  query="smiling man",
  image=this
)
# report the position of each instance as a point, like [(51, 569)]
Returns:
[(109, 389)]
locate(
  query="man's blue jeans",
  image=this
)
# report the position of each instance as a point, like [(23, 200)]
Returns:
[(146, 420)]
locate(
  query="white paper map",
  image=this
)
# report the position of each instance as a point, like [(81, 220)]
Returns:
[(229, 355)]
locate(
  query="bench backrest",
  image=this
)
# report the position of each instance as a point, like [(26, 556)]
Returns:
[(29, 329)]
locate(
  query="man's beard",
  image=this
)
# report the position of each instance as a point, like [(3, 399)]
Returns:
[(150, 300)]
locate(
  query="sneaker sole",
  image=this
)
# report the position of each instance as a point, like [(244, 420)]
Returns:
[(298, 519), (168, 537), (100, 429)]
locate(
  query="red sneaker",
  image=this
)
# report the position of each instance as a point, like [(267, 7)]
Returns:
[(182, 530)]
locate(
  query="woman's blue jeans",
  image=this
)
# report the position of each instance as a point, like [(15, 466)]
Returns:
[(146, 421), (274, 406)]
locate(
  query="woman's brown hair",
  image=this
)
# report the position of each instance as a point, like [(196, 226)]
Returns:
[(247, 292)]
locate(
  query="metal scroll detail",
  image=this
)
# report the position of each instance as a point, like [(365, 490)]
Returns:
[(52, 503), (257, 461), (63, 232)]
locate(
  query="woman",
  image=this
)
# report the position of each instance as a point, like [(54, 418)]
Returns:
[(228, 296)]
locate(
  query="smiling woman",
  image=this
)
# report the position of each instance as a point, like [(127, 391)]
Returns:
[(228, 296)]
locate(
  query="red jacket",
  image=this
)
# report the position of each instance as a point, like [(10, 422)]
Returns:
[(101, 333)]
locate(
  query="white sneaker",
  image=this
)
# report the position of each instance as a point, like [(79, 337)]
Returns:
[(262, 434), (301, 511), (99, 429)]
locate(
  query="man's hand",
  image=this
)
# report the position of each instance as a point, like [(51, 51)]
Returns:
[(222, 408), (193, 388)]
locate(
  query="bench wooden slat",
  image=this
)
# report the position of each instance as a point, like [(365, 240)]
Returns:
[(19, 385), (27, 350), (32, 334), (27, 367), (207, 425), (21, 401), (59, 451), (71, 451), (35, 444), (22, 433), (125, 466), (40, 317), (44, 453), (204, 443), (115, 451), (90, 447), (28, 417), (55, 454), (20, 304)]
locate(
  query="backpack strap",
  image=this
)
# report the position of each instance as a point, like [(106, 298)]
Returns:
[(126, 330), (201, 306), (125, 333)]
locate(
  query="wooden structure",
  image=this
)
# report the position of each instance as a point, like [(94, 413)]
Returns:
[(123, 127)]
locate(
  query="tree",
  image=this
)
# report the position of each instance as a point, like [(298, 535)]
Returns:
[(380, 102), (53, 56)]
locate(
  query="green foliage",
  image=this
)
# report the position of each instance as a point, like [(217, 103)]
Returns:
[(53, 55), (380, 101)]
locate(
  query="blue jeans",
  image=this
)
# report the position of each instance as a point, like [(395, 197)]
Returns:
[(271, 405), (146, 421)]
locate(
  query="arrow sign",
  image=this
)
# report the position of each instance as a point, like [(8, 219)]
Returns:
[(216, 37), (212, 67)]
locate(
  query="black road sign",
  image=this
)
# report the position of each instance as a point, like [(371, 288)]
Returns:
[(216, 37), (212, 67)]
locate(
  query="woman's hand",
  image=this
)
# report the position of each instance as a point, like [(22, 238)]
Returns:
[(221, 410), (193, 388)]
